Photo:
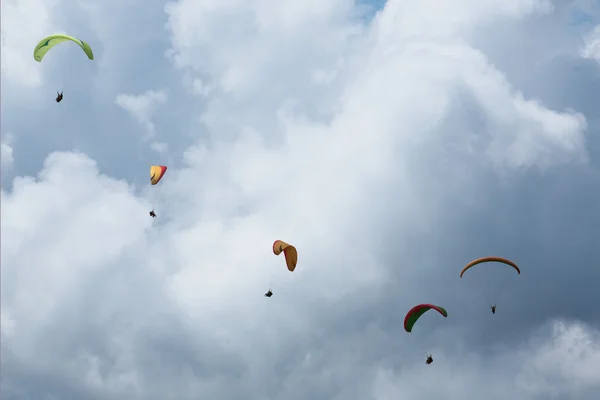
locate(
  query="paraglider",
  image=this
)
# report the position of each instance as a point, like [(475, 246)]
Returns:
[(289, 251), (50, 41), (490, 259), (291, 257), (156, 174), (415, 313)]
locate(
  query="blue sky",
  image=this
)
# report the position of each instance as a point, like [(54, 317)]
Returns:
[(390, 145)]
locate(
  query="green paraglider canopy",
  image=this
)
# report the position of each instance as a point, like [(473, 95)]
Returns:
[(49, 42)]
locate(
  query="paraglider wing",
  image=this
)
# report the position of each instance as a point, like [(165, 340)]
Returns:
[(415, 313), (156, 173), (290, 252), (490, 259), (50, 41)]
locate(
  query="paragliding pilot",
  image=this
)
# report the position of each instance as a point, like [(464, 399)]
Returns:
[(269, 293), (493, 308), (152, 214), (429, 359), (59, 97)]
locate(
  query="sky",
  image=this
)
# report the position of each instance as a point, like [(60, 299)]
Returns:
[(390, 142)]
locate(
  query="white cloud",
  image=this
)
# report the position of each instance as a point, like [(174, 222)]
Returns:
[(159, 147), (6, 157), (34, 209), (142, 107), (202, 88), (24, 24), (323, 131), (591, 47), (443, 22), (561, 363), (6, 324), (567, 364), (268, 43), (417, 75)]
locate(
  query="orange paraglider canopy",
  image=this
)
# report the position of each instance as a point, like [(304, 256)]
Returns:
[(490, 259), (290, 252)]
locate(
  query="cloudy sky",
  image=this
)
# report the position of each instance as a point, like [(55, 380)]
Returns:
[(390, 142)]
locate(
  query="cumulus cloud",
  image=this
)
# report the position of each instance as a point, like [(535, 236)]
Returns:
[(533, 133), (560, 362), (389, 152), (591, 47), (24, 23), (142, 108), (54, 273), (201, 88), (566, 364), (7, 156)]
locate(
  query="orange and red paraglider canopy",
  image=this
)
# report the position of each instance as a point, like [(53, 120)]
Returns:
[(490, 259), (290, 252)]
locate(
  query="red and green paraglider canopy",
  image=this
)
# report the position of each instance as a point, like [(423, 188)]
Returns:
[(415, 313)]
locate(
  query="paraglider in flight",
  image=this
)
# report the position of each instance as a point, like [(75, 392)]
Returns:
[(290, 252), (50, 41), (490, 259), (415, 313), (156, 174), (269, 293)]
